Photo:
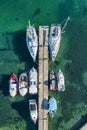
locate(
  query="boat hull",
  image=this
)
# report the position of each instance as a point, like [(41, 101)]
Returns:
[(33, 81), (32, 41), (23, 84), (13, 85), (54, 40), (53, 81), (52, 106), (33, 110), (61, 82)]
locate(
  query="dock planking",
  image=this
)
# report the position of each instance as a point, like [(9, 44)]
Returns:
[(43, 78)]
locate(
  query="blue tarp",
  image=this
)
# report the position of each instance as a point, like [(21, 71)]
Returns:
[(29, 39), (52, 104)]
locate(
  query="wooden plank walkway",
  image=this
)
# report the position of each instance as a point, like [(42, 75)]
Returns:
[(43, 78)]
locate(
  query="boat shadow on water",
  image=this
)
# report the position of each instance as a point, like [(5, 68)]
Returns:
[(80, 123), (22, 107), (4, 84), (21, 50), (44, 104)]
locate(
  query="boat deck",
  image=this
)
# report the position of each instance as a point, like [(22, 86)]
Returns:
[(43, 78)]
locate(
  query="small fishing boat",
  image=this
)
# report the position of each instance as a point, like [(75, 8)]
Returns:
[(60, 80), (13, 85), (33, 110), (52, 106), (32, 41), (54, 40), (53, 80), (23, 84), (33, 81)]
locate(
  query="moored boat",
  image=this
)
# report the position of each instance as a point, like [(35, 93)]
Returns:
[(60, 80), (54, 40), (53, 80), (33, 110), (23, 84), (32, 41), (33, 81), (52, 106), (13, 85)]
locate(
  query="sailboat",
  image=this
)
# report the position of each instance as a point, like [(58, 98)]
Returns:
[(54, 40), (32, 41), (13, 85), (33, 110), (33, 81)]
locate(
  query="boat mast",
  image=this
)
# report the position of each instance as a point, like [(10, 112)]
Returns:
[(65, 24)]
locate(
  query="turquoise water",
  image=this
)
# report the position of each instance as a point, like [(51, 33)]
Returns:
[(14, 57)]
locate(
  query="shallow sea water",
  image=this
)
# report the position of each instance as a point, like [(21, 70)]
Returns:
[(14, 57)]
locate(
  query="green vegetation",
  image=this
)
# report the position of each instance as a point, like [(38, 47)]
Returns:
[(18, 126)]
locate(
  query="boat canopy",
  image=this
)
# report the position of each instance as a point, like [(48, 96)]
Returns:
[(29, 39), (52, 104)]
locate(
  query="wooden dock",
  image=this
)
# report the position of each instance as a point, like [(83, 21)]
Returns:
[(43, 78)]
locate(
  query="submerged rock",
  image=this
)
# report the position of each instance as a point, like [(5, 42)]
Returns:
[(48, 14), (16, 19), (85, 9)]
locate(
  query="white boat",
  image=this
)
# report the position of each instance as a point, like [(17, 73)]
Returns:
[(32, 41), (13, 85), (33, 110), (61, 82), (33, 81), (23, 84), (54, 40)]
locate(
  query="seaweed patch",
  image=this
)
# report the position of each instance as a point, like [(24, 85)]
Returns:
[(36, 12)]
